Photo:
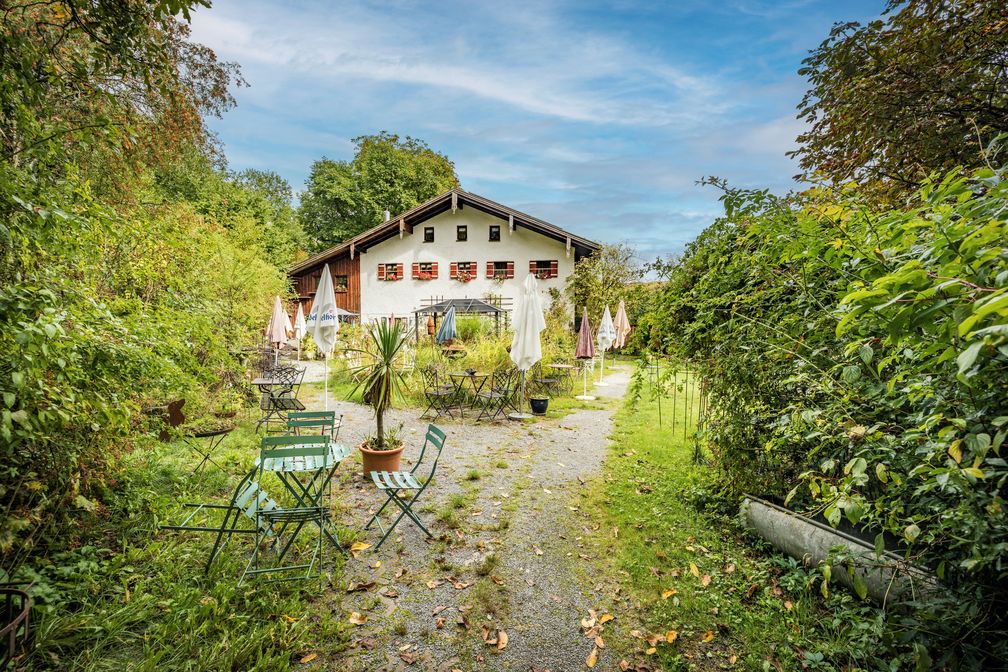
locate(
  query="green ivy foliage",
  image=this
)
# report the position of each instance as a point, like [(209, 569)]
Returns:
[(858, 365)]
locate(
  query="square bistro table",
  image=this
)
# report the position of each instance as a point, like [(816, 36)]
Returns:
[(306, 480)]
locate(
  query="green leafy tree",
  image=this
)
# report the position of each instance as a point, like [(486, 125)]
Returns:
[(921, 90), (344, 198), (603, 278)]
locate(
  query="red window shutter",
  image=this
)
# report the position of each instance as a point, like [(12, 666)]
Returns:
[(474, 269), (433, 273), (416, 270), (490, 270), (399, 271), (381, 271), (510, 269), (454, 270), (532, 267), (554, 268)]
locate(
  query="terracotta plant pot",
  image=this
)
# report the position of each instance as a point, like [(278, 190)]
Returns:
[(379, 460)]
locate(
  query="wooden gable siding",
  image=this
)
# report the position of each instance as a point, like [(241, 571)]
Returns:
[(306, 283)]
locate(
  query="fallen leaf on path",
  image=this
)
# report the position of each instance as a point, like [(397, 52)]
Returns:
[(366, 643), (307, 658), (615, 532), (694, 570), (439, 623), (587, 623), (363, 585), (438, 610), (592, 657), (357, 547), (705, 581), (752, 589), (654, 570), (496, 579), (730, 568), (650, 652), (358, 618), (670, 636), (459, 585), (788, 605), (434, 583), (408, 658), (538, 551), (668, 593), (399, 572), (502, 640), (599, 642), (708, 636), (376, 565), (605, 618), (391, 593), (653, 640)]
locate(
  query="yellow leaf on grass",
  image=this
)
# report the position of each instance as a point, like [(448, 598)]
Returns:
[(708, 636), (289, 619), (694, 570), (670, 636), (668, 593), (651, 651), (358, 618), (705, 581), (605, 618), (592, 657), (308, 658)]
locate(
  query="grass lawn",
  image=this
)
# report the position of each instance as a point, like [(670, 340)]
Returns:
[(128, 596), (696, 580)]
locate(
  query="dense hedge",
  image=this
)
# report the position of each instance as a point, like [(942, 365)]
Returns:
[(858, 364)]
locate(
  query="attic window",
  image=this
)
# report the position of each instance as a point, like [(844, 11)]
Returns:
[(340, 284), (461, 233), (494, 233), (428, 234)]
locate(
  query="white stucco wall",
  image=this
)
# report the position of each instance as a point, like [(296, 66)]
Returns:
[(380, 298)]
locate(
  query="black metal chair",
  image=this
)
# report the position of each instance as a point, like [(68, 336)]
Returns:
[(495, 400), (439, 395)]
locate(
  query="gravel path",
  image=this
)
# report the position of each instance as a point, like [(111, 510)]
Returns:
[(504, 511)]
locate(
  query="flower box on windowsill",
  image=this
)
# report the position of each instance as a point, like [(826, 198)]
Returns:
[(425, 276), (544, 275), (465, 277), (391, 277)]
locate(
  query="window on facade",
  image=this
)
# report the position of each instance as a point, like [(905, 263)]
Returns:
[(494, 233), (428, 234), (340, 283), (392, 272), (466, 267), (461, 233), (502, 270), (426, 267), (543, 268)]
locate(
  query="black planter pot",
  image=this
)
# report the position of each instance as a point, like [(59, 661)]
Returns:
[(539, 406)]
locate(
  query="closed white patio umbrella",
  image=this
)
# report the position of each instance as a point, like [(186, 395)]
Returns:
[(605, 338), (323, 322), (529, 321)]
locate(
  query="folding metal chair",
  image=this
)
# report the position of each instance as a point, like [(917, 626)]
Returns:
[(323, 422), (392, 483), (439, 396), (494, 400)]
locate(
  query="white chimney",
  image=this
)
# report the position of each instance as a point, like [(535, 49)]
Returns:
[(388, 215)]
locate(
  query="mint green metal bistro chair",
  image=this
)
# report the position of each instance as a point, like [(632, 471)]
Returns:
[(396, 482), (323, 422)]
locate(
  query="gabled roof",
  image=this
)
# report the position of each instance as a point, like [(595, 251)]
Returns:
[(461, 306), (454, 198)]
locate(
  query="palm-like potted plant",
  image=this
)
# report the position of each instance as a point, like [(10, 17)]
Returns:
[(382, 383)]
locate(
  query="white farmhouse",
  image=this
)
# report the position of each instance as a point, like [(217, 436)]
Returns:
[(455, 246)]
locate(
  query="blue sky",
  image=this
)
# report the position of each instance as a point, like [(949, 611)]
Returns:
[(597, 116)]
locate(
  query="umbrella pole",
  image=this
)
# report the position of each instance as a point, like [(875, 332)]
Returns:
[(325, 385), (602, 383), (585, 396)]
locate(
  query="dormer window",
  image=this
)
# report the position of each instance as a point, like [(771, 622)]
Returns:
[(428, 234), (494, 233), (461, 233)]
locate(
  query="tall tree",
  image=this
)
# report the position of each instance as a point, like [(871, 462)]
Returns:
[(925, 89), (344, 198)]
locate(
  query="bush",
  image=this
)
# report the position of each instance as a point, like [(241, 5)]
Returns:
[(856, 362)]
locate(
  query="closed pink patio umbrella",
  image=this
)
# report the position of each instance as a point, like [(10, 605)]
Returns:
[(585, 349)]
